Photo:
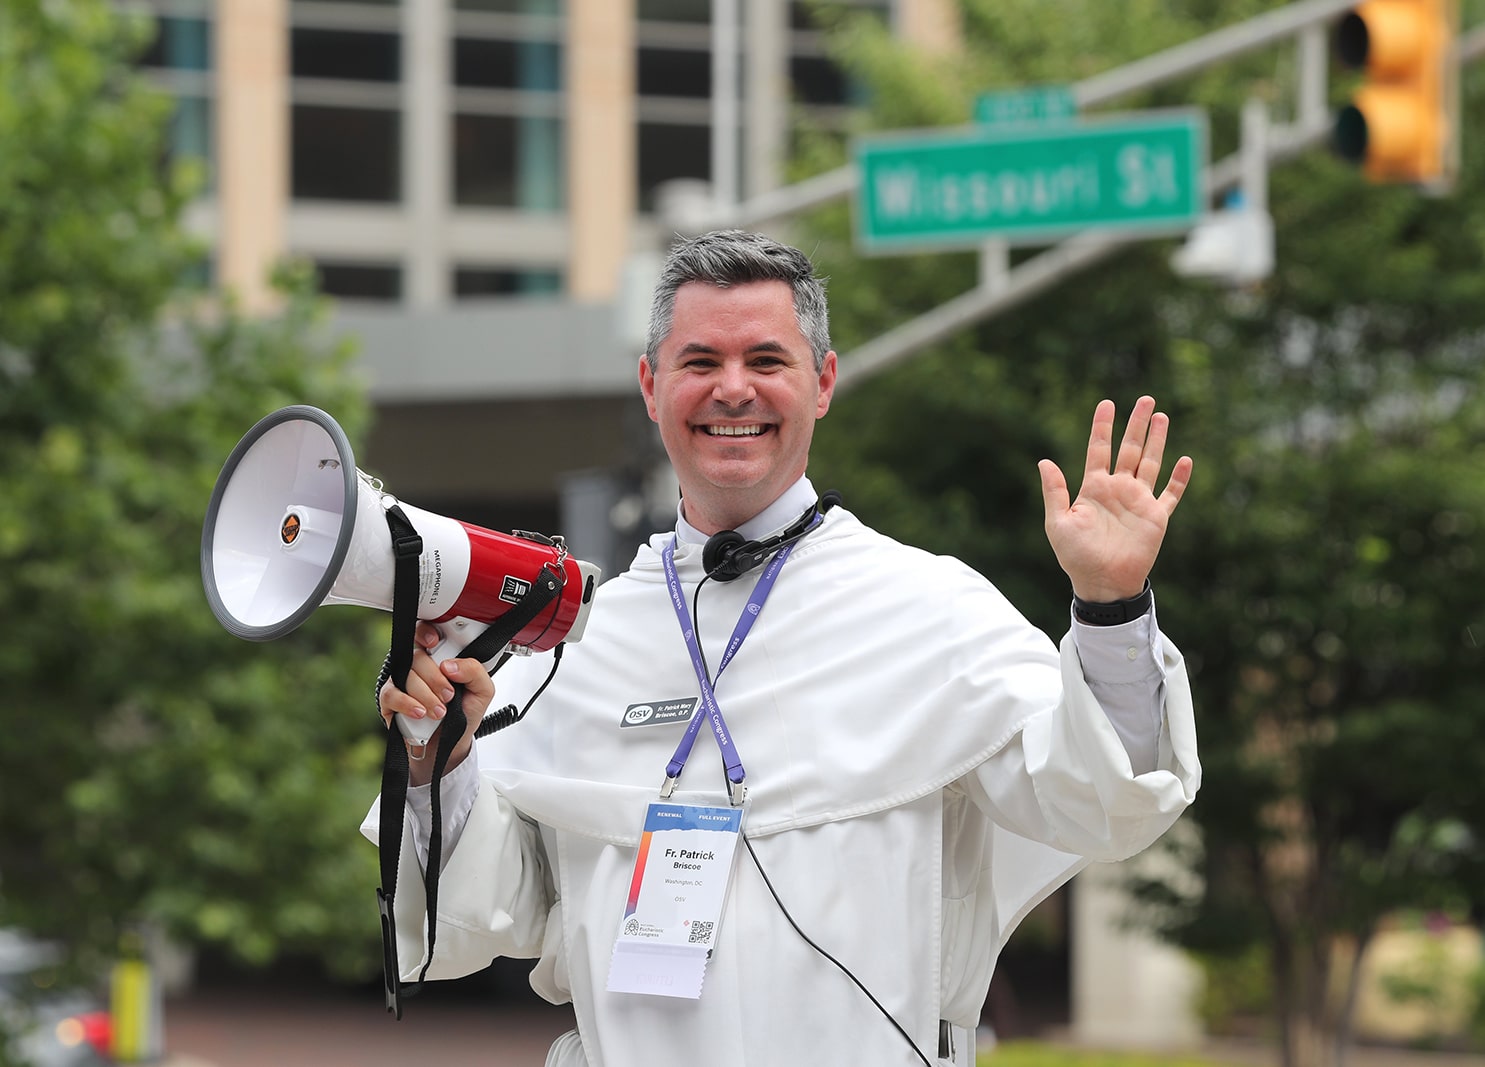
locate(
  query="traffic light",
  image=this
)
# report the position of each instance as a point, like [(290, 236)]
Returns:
[(1402, 123)]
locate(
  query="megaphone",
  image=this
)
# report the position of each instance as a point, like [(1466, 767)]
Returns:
[(293, 525)]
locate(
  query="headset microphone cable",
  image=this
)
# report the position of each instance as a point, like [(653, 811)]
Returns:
[(839, 965), (748, 841)]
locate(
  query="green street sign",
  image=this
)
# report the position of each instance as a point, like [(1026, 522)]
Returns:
[(937, 189), (1034, 103)]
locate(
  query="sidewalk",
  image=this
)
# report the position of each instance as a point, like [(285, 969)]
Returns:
[(266, 1027), (263, 1028)]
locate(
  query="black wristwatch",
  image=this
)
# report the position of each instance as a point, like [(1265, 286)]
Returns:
[(1113, 612)]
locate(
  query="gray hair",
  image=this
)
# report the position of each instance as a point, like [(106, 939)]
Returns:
[(736, 257)]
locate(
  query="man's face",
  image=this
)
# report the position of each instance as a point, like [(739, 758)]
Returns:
[(736, 395)]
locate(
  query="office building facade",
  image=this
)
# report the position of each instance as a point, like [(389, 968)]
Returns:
[(479, 184)]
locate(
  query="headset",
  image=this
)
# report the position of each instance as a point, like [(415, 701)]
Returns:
[(728, 555)]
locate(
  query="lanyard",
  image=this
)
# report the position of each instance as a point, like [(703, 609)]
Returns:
[(709, 709)]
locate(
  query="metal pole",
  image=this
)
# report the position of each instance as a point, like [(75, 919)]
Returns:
[(1314, 61), (1030, 279), (425, 149), (1254, 155), (1194, 55), (724, 103), (995, 264), (765, 95)]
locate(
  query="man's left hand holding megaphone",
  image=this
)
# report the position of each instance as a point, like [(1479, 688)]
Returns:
[(430, 686), (293, 524)]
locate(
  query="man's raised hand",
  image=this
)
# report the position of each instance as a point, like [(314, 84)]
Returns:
[(1107, 539)]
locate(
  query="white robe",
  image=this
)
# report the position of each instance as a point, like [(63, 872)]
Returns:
[(923, 768)]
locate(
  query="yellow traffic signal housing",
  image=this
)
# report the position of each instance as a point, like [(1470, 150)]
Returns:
[(1402, 123)]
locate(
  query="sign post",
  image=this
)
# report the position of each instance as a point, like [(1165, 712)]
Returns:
[(940, 189)]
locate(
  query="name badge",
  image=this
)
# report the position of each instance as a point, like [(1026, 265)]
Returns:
[(675, 900)]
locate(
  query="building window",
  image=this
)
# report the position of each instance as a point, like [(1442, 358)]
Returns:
[(179, 44), (817, 80), (346, 153), (475, 282), (674, 72), (508, 161), (360, 281), (675, 10), (512, 7), (496, 64), (190, 130), (345, 56), (802, 15), (669, 151)]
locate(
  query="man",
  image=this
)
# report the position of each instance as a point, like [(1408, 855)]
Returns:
[(920, 765)]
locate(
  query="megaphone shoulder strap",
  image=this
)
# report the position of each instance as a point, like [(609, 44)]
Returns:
[(407, 548)]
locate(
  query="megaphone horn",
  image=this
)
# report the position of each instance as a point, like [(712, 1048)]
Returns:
[(293, 524)]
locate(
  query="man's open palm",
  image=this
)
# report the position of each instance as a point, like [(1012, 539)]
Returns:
[(1107, 539)]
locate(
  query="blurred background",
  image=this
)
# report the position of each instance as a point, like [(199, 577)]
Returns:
[(439, 220)]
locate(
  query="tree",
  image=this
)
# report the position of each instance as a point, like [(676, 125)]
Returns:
[(1322, 575), (155, 770), (1340, 645)]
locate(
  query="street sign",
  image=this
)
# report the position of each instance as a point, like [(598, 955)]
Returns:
[(937, 189), (1035, 103)]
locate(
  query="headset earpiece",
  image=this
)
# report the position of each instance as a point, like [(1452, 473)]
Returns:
[(718, 557), (728, 555)]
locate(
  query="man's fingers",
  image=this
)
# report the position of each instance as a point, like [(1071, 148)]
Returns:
[(1055, 499), (1180, 478), (1100, 440), (1136, 434), (394, 701), (1153, 453), (469, 673), (427, 691)]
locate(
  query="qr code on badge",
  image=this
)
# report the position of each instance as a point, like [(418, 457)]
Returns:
[(701, 932)]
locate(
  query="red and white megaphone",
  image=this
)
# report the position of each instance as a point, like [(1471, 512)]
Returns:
[(292, 524)]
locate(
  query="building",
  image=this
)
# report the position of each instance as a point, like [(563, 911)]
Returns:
[(480, 184)]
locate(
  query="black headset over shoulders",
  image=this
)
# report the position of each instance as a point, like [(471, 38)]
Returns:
[(729, 555)]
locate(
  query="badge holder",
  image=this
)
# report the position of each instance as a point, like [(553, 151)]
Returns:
[(676, 895)]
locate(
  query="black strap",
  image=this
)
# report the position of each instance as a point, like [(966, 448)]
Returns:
[(1112, 613), (407, 548)]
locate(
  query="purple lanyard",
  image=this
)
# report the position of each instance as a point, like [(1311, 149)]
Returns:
[(709, 708)]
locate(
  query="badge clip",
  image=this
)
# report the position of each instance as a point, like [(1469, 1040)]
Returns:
[(667, 787)]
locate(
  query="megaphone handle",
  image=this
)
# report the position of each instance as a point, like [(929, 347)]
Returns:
[(456, 635)]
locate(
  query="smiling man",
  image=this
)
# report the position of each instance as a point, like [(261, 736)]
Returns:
[(735, 387), (906, 765)]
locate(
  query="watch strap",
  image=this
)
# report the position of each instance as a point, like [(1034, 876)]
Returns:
[(1112, 613)]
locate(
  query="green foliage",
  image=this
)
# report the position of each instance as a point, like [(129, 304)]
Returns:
[(1439, 981), (1323, 573), (155, 768), (1236, 989)]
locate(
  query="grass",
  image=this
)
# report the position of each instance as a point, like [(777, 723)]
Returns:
[(1039, 1054)]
